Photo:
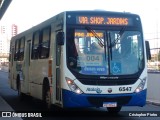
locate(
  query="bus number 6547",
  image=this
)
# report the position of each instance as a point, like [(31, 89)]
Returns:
[(125, 88)]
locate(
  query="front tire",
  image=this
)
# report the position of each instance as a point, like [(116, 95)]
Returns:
[(47, 98), (20, 94)]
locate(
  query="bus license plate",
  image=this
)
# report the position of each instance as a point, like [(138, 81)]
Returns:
[(110, 104)]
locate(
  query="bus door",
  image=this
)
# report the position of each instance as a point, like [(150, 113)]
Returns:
[(58, 70), (11, 58), (27, 65)]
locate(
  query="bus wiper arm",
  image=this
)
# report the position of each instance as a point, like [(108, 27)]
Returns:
[(118, 37), (109, 40), (100, 41)]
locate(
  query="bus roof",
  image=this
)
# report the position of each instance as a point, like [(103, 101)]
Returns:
[(50, 20)]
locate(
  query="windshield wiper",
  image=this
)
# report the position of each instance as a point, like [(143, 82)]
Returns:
[(119, 35), (100, 41)]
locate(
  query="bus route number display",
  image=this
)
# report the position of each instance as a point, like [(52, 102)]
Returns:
[(103, 20)]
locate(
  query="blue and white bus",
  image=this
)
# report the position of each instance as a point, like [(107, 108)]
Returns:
[(82, 59)]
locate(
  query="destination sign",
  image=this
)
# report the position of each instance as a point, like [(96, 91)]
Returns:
[(104, 20)]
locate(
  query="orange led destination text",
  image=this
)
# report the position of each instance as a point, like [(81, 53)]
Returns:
[(117, 21), (103, 20), (82, 34)]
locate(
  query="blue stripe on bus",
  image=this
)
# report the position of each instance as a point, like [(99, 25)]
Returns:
[(71, 99)]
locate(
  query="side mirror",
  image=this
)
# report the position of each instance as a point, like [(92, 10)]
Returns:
[(148, 52), (60, 38)]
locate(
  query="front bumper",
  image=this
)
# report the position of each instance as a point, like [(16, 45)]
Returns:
[(71, 99)]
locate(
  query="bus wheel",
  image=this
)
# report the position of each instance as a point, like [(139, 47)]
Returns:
[(47, 99), (20, 94), (114, 110)]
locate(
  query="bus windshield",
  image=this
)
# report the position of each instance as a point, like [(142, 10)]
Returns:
[(121, 53)]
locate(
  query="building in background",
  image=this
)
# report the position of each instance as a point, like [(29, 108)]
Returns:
[(6, 33), (14, 30), (3, 29)]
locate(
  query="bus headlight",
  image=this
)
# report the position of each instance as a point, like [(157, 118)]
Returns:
[(73, 86), (141, 85)]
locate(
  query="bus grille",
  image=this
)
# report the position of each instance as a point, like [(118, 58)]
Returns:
[(100, 82)]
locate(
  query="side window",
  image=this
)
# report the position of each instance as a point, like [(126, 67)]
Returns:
[(21, 49), (16, 50), (35, 45), (45, 43)]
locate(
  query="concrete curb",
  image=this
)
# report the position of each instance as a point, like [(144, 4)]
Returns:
[(153, 102), (5, 107)]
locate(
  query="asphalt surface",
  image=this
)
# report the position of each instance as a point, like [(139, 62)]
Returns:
[(9, 102)]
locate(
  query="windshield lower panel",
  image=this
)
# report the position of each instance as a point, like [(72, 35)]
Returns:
[(105, 52)]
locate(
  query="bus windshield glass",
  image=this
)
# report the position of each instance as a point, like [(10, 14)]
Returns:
[(120, 54)]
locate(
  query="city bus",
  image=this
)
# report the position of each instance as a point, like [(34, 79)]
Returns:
[(82, 59)]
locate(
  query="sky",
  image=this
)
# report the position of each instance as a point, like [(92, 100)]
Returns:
[(28, 13)]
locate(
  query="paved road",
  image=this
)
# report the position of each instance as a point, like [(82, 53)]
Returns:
[(33, 105)]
